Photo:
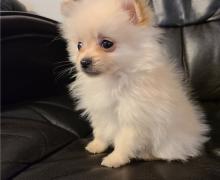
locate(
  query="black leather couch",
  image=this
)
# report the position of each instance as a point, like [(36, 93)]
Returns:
[(43, 138)]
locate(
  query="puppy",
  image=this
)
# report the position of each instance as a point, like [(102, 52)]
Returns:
[(132, 93)]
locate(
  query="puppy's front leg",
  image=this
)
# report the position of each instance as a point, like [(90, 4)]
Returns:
[(124, 148), (98, 144)]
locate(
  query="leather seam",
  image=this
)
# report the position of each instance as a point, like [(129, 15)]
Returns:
[(188, 25), (17, 135), (27, 16), (27, 35), (40, 160), (44, 117), (183, 55), (53, 104), (14, 162)]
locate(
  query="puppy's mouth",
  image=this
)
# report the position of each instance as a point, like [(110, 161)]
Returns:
[(91, 72)]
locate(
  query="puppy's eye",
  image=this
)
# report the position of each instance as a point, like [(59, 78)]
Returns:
[(106, 44), (80, 44)]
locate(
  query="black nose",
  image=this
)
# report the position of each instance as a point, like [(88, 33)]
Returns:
[(86, 63)]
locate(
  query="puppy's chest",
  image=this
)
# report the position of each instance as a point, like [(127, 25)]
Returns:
[(100, 96)]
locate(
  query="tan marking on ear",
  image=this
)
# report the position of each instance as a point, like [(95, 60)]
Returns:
[(139, 11), (143, 11), (131, 9)]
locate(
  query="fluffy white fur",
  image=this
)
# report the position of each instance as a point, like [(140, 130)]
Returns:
[(138, 104)]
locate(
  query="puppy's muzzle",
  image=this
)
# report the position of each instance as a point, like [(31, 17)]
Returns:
[(86, 63), (88, 66)]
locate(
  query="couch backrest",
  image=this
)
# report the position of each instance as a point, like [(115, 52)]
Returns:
[(32, 59), (192, 31)]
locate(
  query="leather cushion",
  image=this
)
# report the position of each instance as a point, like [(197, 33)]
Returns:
[(202, 57), (32, 131), (73, 162), (49, 139)]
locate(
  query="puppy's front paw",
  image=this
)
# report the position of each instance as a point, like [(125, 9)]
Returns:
[(96, 146), (114, 161)]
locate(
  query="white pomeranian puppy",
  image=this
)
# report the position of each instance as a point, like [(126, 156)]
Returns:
[(132, 93)]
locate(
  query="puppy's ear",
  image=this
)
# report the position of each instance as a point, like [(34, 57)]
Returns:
[(139, 11), (67, 6)]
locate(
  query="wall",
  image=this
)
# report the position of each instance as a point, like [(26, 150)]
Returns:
[(47, 8)]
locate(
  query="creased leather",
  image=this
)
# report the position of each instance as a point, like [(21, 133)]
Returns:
[(202, 54), (73, 162), (34, 130), (185, 12)]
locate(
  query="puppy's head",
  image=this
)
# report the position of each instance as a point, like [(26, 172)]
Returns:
[(105, 36)]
